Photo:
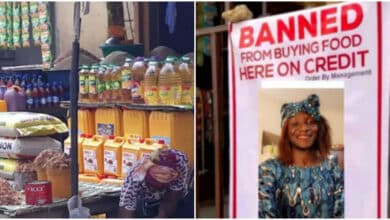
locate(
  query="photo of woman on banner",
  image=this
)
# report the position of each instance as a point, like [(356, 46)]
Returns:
[(303, 180)]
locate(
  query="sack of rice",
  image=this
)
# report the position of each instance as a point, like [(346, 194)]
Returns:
[(26, 148), (22, 124)]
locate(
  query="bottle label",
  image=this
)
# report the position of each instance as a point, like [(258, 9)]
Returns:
[(67, 149), (176, 93), (49, 99), (100, 86), (30, 101), (186, 95), (105, 129), (92, 85), (110, 162), (128, 159), (90, 160), (126, 79), (165, 95), (151, 95), (83, 86), (116, 85), (56, 99), (108, 85)]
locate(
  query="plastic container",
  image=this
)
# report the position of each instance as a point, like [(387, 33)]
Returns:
[(147, 147), (173, 128), (92, 81), (108, 122), (93, 155), (15, 99), (187, 74), (83, 84), (126, 81), (86, 121), (130, 155), (89, 178), (100, 83), (165, 89), (60, 182), (176, 82), (150, 79), (113, 156), (138, 70), (67, 147), (137, 123), (108, 84)]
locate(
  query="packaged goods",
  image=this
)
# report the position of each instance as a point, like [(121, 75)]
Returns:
[(108, 83), (67, 147), (108, 122), (92, 80), (26, 148), (8, 167), (58, 173), (173, 127), (15, 99), (127, 80), (187, 74), (93, 155), (150, 79), (85, 122), (24, 173), (41, 161), (137, 123), (38, 193), (113, 156), (130, 155), (138, 71), (8, 196), (22, 124)]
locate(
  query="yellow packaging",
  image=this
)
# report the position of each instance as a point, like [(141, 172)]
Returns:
[(93, 155), (136, 123), (85, 122), (67, 146), (108, 122), (113, 156), (58, 179), (176, 129), (130, 155)]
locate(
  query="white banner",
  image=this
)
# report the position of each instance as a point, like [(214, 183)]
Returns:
[(345, 43)]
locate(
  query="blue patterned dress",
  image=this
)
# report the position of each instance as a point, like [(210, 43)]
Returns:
[(297, 192)]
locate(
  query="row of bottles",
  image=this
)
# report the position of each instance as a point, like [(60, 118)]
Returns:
[(30, 91), (112, 156), (139, 81)]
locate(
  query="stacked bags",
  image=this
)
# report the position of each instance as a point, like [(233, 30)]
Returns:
[(23, 135)]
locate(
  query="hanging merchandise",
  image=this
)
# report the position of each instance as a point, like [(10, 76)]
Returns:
[(17, 25), (44, 27), (3, 25), (35, 23), (9, 24), (25, 24)]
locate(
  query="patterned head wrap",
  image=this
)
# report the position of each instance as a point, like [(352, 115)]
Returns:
[(311, 106)]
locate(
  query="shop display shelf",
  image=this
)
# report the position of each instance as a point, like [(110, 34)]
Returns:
[(145, 107)]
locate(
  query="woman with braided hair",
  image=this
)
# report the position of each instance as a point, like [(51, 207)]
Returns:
[(302, 182)]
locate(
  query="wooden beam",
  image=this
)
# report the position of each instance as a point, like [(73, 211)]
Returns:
[(216, 58), (211, 30)]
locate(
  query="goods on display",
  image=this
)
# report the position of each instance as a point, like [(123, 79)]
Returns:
[(24, 173), (93, 155), (130, 155), (26, 147), (8, 196), (8, 167), (85, 122), (17, 38), (136, 123), (25, 10), (15, 99), (108, 122), (3, 26), (38, 193), (139, 81), (67, 148), (22, 124), (113, 156)]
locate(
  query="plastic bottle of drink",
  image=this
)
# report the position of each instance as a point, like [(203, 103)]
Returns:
[(187, 75), (83, 81), (138, 71), (29, 97), (61, 91), (36, 95), (176, 82), (108, 83), (165, 88), (116, 83), (49, 95), (126, 80), (54, 93), (92, 78), (101, 86), (150, 79), (42, 92)]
